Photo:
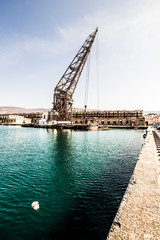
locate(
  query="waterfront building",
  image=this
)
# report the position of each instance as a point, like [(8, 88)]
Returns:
[(21, 118), (14, 120), (35, 117), (152, 118), (124, 118)]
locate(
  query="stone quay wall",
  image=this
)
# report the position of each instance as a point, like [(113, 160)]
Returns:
[(138, 216)]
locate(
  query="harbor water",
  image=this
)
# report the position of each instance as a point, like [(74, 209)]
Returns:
[(78, 178)]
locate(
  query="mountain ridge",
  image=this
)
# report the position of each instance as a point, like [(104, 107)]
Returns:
[(13, 109)]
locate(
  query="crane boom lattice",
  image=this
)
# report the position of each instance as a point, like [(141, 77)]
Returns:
[(63, 92)]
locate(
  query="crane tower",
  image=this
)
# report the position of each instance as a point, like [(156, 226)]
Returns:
[(64, 90)]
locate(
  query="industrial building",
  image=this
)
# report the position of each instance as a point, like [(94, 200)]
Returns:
[(124, 118), (14, 120)]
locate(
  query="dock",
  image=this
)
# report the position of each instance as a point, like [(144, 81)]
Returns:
[(138, 216), (83, 126)]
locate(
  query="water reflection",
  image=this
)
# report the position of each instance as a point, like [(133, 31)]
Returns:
[(78, 177)]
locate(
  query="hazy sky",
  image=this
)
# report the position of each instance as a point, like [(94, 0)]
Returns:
[(39, 38)]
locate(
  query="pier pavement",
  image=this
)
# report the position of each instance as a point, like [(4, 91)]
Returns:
[(138, 216)]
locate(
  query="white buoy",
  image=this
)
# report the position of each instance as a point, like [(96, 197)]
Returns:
[(35, 205)]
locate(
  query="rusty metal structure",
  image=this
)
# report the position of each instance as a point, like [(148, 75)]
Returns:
[(63, 92), (109, 118)]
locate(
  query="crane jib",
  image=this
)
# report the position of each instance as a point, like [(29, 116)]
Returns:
[(64, 90)]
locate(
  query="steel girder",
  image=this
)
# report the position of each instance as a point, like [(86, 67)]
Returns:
[(63, 92)]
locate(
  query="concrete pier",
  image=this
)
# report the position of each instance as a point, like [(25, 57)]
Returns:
[(138, 216)]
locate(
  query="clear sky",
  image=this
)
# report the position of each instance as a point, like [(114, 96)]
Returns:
[(39, 38)]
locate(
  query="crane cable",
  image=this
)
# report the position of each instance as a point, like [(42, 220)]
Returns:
[(87, 82), (97, 63), (97, 77)]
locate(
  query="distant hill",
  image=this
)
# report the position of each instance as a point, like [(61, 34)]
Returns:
[(16, 110), (12, 110)]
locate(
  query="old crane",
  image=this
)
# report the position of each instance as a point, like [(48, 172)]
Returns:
[(63, 92)]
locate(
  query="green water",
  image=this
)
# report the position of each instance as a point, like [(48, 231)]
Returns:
[(78, 177)]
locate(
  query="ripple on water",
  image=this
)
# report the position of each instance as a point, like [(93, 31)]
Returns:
[(78, 178)]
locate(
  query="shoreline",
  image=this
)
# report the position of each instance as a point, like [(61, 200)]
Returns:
[(76, 126), (138, 216)]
